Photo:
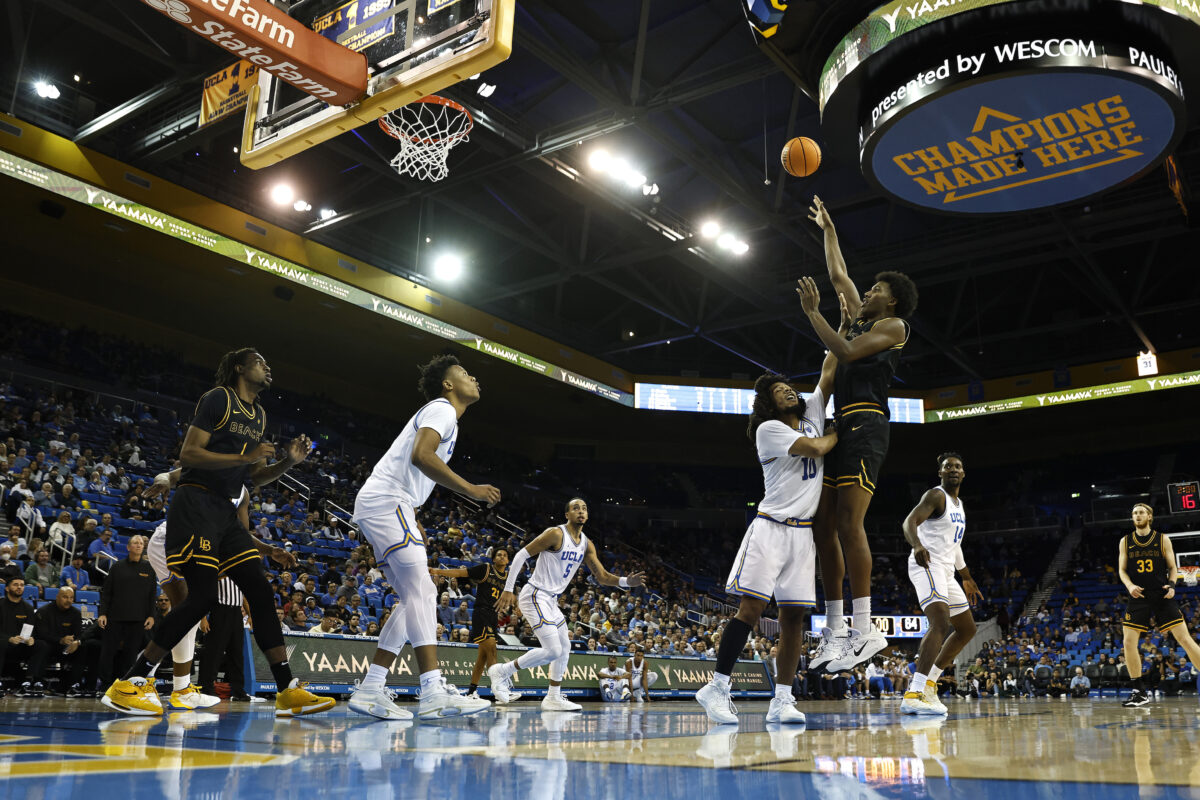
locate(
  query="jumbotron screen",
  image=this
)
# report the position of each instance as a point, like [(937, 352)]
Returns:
[(728, 400)]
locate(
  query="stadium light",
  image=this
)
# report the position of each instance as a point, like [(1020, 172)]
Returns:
[(448, 267), (740, 248), (47, 90), (709, 228), (486, 89), (599, 160), (328, 213), (282, 193), (302, 205)]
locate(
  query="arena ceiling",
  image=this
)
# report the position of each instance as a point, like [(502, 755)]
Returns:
[(680, 89)]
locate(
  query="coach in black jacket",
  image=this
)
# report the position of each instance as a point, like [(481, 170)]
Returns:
[(126, 610)]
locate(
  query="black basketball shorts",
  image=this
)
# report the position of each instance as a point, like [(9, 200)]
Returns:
[(483, 625), (1141, 610), (858, 456), (203, 530)]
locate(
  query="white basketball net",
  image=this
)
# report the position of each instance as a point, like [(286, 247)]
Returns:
[(426, 129)]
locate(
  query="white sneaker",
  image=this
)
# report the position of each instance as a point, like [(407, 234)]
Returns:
[(559, 703), (829, 649), (501, 685), (444, 700), (918, 705), (717, 704), (858, 648), (624, 693), (783, 709), (931, 697), (377, 703), (513, 696)]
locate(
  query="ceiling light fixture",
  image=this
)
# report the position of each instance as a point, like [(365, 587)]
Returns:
[(282, 193), (448, 267)]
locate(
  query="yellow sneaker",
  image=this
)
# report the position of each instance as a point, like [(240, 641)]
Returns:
[(135, 696), (192, 698), (931, 696), (296, 701)]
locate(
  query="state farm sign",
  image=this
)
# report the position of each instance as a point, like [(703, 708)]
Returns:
[(263, 35)]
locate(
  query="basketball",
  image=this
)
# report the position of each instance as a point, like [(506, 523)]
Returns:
[(801, 157)]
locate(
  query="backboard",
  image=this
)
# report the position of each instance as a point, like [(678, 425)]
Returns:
[(413, 47)]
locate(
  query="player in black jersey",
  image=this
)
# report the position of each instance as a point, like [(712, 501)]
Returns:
[(205, 540), (1146, 564), (489, 585), (867, 358)]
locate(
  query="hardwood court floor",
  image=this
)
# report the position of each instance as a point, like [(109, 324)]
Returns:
[(1093, 749)]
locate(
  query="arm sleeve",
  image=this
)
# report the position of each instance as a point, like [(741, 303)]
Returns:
[(814, 409), (440, 417), (773, 439), (477, 572), (959, 562), (212, 410), (514, 569)]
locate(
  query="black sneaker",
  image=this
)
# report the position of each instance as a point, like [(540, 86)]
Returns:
[(1138, 698), (74, 691), (38, 689), (240, 698), (25, 690)]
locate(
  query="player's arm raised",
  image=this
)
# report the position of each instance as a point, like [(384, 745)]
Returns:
[(887, 333), (839, 275), (933, 503), (606, 578), (1122, 567), (426, 459), (460, 572), (547, 539)]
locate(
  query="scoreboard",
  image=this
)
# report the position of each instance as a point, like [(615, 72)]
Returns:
[(729, 400), (892, 627), (1183, 497)]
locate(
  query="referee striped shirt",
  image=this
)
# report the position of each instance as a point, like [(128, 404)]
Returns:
[(228, 593)]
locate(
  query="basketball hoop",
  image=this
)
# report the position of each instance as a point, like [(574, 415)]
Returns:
[(426, 129), (1190, 575)]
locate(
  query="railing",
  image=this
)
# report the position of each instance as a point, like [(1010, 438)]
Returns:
[(67, 546), (101, 562)]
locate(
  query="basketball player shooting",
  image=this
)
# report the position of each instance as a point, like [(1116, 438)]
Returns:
[(867, 358)]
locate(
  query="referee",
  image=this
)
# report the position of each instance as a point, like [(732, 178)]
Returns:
[(224, 643)]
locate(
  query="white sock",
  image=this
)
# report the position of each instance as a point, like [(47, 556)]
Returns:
[(430, 679), (834, 619), (862, 615), (376, 678), (721, 680), (783, 692), (180, 683), (554, 691), (918, 683), (509, 668), (935, 672)]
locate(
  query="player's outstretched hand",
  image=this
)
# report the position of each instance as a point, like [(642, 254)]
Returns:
[(299, 448), (971, 589), (921, 556), (810, 298), (819, 214), (504, 603), (636, 579), (847, 318), (161, 485), (486, 493), (1170, 587), (1136, 591)]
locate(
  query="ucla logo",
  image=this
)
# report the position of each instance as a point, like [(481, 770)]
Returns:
[(205, 545)]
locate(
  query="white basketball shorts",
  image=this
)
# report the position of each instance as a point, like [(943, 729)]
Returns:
[(395, 536), (156, 554), (539, 607), (776, 559), (936, 584)]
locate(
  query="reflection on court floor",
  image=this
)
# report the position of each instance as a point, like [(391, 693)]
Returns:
[(862, 749)]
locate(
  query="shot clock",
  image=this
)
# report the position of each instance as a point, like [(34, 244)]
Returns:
[(1183, 497)]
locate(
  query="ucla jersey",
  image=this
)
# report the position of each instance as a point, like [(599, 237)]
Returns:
[(555, 568), (942, 536), (791, 484), (395, 478), (862, 385)]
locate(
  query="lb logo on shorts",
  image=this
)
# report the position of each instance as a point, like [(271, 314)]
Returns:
[(205, 545)]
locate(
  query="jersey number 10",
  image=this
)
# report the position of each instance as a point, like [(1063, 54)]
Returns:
[(808, 467)]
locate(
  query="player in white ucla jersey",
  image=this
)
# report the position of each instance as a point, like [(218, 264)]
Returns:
[(935, 530), (777, 556), (185, 694), (385, 510), (560, 551), (641, 677), (614, 682)]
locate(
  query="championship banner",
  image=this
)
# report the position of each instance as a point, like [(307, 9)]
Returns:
[(79, 191), (1102, 392), (334, 663), (226, 91)]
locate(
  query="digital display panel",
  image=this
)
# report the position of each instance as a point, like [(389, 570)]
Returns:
[(727, 400)]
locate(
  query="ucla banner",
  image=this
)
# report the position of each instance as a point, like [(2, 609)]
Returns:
[(334, 663), (226, 91)]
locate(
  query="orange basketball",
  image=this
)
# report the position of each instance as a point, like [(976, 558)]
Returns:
[(801, 157)]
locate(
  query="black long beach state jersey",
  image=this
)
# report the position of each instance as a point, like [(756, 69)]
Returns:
[(862, 385), (235, 428), (489, 586), (1145, 563)]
